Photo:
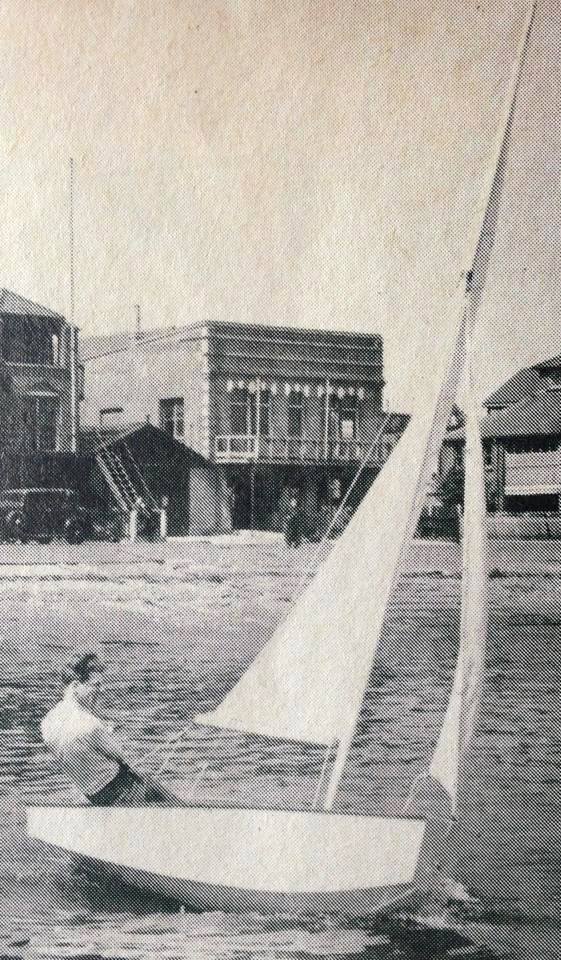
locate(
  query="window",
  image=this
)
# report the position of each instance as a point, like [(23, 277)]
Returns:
[(40, 417), (295, 414), (172, 417), (343, 418), (242, 411), (348, 427)]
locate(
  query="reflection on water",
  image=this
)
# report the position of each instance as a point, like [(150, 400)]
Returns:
[(177, 636)]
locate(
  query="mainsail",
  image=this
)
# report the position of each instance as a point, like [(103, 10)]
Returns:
[(461, 715), (308, 682)]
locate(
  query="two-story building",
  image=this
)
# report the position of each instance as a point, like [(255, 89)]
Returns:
[(41, 384), (274, 411), (521, 437)]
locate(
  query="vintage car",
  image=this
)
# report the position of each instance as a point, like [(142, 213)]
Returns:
[(45, 514)]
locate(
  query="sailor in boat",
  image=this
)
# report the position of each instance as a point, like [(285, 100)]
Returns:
[(87, 747)]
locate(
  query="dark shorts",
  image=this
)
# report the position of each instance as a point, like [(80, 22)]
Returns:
[(127, 789)]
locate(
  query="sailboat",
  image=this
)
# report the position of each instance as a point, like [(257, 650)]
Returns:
[(308, 684)]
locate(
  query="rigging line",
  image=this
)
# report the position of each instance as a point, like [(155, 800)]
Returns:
[(474, 283), (176, 736), (166, 745), (303, 578), (326, 758), (316, 554), (420, 778), (304, 575), (446, 395), (196, 782)]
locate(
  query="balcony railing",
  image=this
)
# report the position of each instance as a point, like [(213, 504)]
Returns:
[(247, 448)]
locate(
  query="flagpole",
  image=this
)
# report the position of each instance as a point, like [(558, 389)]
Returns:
[(72, 331)]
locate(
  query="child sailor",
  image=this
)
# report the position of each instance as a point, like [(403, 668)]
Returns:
[(87, 748)]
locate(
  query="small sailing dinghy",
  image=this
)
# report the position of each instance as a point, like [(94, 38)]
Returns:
[(308, 685)]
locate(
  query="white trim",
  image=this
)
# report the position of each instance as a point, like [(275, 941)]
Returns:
[(531, 489)]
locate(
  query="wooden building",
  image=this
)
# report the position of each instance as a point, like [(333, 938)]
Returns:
[(137, 464), (521, 440), (41, 385), (273, 412)]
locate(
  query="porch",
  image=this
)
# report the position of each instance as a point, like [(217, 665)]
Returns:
[(251, 448)]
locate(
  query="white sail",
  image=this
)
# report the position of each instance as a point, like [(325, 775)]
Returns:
[(460, 719), (308, 682), (461, 715)]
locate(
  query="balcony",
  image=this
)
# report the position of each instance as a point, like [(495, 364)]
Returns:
[(533, 472), (248, 448)]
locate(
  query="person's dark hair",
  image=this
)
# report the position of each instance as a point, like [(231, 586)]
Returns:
[(82, 668)]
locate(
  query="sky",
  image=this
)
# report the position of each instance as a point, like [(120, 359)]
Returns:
[(306, 163)]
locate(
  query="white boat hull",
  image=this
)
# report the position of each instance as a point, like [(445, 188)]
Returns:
[(242, 860)]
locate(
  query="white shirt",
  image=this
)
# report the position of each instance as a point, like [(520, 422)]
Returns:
[(77, 737)]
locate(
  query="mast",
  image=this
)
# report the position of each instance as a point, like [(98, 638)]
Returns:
[(475, 280)]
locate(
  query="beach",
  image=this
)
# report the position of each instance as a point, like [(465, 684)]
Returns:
[(177, 623)]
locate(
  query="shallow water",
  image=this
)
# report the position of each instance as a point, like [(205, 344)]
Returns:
[(177, 633)]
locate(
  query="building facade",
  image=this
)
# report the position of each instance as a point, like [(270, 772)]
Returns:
[(41, 380), (521, 436), (274, 412)]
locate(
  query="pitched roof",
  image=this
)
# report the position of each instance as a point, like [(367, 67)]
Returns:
[(547, 364), (539, 415), (92, 439), (522, 384), (19, 306)]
